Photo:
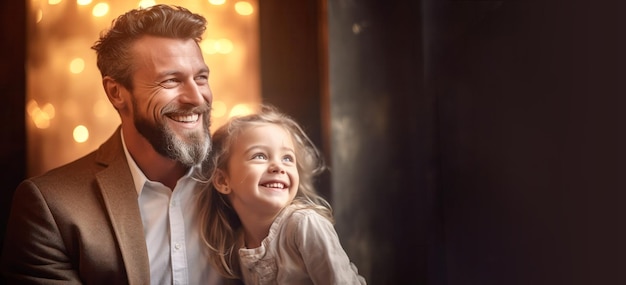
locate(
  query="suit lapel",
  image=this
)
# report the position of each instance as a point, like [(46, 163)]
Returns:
[(120, 198)]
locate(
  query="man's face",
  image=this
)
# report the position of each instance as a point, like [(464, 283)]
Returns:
[(172, 98)]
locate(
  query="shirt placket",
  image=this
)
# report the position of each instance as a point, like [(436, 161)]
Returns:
[(177, 242)]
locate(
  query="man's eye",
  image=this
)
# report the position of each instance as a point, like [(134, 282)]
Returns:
[(202, 80), (169, 83)]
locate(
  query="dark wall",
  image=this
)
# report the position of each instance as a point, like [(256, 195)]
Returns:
[(293, 70), (13, 92), (477, 142), (527, 109), (382, 130)]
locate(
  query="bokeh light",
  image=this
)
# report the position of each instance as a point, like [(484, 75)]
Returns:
[(244, 8), (241, 110), (217, 2), (80, 134), (77, 65), (147, 3), (100, 9)]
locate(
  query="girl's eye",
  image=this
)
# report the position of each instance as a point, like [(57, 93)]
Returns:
[(169, 83), (259, 156), (288, 158)]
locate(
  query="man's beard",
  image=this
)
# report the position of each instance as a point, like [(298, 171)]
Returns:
[(190, 150)]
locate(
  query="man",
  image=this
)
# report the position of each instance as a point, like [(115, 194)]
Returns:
[(125, 213)]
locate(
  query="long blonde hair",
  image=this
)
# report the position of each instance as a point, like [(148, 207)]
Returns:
[(219, 223)]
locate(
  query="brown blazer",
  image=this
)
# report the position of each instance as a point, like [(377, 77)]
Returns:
[(78, 224)]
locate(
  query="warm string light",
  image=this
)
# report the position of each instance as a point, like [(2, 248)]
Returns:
[(80, 134), (217, 2), (244, 8), (41, 116), (77, 65), (146, 3), (65, 102), (213, 46), (100, 10)]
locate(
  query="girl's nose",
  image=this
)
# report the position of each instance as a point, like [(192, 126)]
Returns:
[(274, 168)]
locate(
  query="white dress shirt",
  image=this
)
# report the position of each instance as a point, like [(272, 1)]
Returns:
[(170, 223)]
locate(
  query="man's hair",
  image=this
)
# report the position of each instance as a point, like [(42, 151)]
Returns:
[(113, 48)]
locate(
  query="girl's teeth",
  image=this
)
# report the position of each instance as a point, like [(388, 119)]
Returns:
[(275, 185)]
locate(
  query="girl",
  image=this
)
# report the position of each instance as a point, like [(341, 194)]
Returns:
[(260, 214)]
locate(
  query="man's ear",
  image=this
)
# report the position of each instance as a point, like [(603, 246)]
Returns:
[(114, 92), (220, 182)]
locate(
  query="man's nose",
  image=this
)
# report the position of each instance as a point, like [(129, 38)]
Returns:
[(194, 94)]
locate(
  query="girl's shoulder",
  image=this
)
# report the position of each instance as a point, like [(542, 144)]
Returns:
[(299, 217), (300, 212)]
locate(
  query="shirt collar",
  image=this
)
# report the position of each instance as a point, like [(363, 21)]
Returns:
[(139, 179)]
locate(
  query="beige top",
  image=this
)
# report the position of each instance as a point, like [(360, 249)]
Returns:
[(302, 248)]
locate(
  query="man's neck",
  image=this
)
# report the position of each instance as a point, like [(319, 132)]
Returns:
[(153, 165)]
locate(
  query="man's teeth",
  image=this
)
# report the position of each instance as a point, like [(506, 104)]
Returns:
[(275, 185), (185, 118)]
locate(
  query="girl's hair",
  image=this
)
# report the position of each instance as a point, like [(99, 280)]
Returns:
[(220, 226), (113, 48)]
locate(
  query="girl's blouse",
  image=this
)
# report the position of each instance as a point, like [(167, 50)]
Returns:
[(302, 248)]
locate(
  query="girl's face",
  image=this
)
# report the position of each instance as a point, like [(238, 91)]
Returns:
[(262, 175)]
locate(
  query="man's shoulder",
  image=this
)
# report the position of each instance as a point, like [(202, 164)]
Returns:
[(77, 164), (81, 168)]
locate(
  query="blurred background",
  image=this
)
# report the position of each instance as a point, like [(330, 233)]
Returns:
[(68, 113), (470, 142)]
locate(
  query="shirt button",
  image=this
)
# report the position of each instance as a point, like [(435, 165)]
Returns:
[(177, 246)]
